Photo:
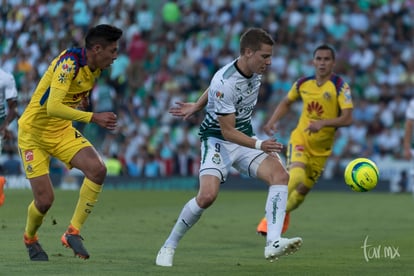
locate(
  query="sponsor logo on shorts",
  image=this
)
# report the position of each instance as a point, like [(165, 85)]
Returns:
[(299, 148), (28, 155)]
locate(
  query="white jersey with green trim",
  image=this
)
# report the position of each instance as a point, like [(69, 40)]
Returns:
[(7, 91), (230, 92)]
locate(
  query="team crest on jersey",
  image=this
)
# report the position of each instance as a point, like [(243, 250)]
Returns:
[(315, 108), (219, 95), (327, 96), (28, 155), (65, 70), (216, 158)]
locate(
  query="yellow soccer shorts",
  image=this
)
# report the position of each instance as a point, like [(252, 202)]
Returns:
[(36, 151), (314, 165)]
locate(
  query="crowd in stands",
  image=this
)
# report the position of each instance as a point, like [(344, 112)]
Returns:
[(170, 49)]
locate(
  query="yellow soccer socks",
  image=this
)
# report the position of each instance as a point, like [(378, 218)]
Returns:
[(88, 196), (34, 221)]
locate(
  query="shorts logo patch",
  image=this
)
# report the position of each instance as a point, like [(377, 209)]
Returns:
[(299, 148), (216, 158), (29, 168), (28, 155)]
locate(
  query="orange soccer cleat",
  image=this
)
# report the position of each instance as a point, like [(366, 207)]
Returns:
[(35, 250), (72, 239), (262, 226), (2, 183)]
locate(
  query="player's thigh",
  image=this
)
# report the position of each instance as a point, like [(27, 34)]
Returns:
[(69, 145), (314, 169), (272, 170), (87, 159)]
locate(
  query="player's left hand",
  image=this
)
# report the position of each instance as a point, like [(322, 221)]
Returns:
[(183, 109)]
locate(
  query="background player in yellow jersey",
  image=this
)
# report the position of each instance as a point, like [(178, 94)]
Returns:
[(327, 105), (8, 112), (45, 131)]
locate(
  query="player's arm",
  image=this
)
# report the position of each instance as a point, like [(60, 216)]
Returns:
[(11, 115), (281, 109), (186, 109), (230, 133), (408, 133), (10, 93), (345, 119), (56, 108), (12, 111)]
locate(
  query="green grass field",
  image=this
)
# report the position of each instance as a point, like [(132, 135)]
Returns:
[(126, 229)]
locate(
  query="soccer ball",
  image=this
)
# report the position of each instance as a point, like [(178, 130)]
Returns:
[(361, 174)]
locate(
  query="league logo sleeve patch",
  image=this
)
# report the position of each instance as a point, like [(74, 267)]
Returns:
[(219, 95), (347, 93)]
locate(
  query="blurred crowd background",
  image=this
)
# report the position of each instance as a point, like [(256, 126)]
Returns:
[(170, 50)]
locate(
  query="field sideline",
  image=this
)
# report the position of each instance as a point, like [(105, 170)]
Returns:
[(127, 228)]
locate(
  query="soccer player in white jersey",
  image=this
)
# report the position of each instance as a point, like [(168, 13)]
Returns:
[(228, 141), (408, 132), (8, 112)]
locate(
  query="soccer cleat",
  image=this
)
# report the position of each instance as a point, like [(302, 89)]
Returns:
[(262, 226), (35, 250), (281, 247), (286, 223), (2, 183), (72, 239), (165, 256)]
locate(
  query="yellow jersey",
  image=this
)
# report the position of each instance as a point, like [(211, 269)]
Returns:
[(67, 80), (319, 103)]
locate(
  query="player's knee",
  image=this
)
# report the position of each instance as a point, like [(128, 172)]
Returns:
[(205, 200), (279, 177), (44, 204), (96, 173), (302, 189)]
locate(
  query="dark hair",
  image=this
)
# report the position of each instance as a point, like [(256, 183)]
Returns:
[(325, 47), (102, 34), (253, 39)]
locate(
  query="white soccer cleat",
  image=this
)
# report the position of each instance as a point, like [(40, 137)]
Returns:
[(165, 256), (282, 247)]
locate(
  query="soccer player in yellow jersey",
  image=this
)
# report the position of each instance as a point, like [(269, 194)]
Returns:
[(45, 131), (327, 105)]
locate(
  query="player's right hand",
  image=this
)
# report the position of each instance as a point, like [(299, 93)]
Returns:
[(271, 145)]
